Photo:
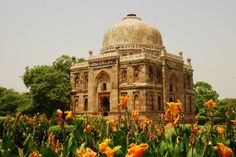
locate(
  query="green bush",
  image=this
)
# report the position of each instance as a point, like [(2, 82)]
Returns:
[(61, 133), (202, 120), (2, 122), (42, 126), (218, 120)]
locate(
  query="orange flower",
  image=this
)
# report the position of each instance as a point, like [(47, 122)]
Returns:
[(220, 130), (192, 140), (210, 104), (51, 140), (160, 130), (123, 101), (234, 122), (105, 149), (59, 113), (223, 150), (144, 123), (136, 150), (110, 151), (85, 152), (167, 116), (172, 114), (112, 123), (195, 128), (175, 108), (135, 114), (69, 115), (177, 120), (34, 154), (104, 145), (88, 128)]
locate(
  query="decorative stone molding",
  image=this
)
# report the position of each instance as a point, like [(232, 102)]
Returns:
[(186, 66), (129, 46), (102, 63), (174, 65), (140, 56), (173, 56), (79, 65), (104, 56)]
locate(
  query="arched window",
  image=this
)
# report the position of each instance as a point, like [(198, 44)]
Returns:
[(159, 76), (124, 76), (152, 102), (188, 81), (171, 99), (159, 103), (136, 102), (171, 88), (190, 104), (104, 86), (185, 104), (105, 106), (86, 81), (76, 102), (86, 104), (76, 82), (136, 75), (150, 74)]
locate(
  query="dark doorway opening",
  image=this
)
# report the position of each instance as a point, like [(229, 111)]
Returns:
[(171, 99), (105, 106), (86, 104)]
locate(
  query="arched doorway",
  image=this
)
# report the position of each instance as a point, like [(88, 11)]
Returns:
[(174, 87), (86, 104), (103, 89), (105, 105)]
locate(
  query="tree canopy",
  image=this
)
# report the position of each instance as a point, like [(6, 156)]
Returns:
[(203, 92), (50, 85), (49, 88), (12, 101)]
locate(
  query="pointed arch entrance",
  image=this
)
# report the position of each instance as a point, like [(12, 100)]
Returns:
[(103, 91), (104, 103), (173, 87)]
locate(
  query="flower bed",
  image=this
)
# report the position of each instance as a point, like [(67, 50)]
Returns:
[(130, 136)]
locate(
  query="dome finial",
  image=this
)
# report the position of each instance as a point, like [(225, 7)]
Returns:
[(90, 52), (131, 14)]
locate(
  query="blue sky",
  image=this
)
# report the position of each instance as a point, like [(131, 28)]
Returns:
[(36, 32)]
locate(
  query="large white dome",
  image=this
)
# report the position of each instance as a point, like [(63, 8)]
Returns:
[(132, 30)]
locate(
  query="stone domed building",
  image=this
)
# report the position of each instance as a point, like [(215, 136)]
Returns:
[(133, 62)]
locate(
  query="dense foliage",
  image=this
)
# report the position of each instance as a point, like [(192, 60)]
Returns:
[(129, 135), (49, 85), (49, 88), (203, 92), (11, 101)]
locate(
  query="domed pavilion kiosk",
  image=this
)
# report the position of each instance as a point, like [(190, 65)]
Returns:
[(133, 62)]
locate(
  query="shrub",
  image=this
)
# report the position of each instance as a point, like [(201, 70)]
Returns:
[(202, 120), (218, 120), (61, 133), (2, 121)]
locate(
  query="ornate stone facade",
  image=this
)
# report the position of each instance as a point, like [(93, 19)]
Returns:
[(133, 62)]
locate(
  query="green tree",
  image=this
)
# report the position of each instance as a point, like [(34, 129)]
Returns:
[(11, 101), (50, 85), (63, 64), (49, 88), (203, 92), (226, 105)]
